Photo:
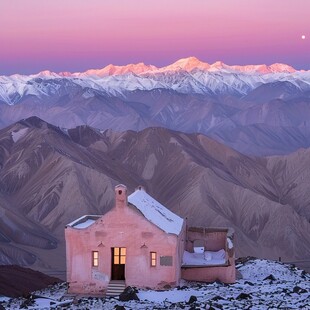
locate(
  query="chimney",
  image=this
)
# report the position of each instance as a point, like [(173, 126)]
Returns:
[(120, 196), (140, 188)]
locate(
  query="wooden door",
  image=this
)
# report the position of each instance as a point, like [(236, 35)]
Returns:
[(118, 263)]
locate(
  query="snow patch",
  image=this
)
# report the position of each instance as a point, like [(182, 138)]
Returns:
[(84, 221), (171, 296), (230, 243), (85, 224), (4, 298), (17, 135), (259, 269), (150, 166), (174, 141)]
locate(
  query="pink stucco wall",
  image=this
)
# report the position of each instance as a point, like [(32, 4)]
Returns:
[(225, 274), (123, 226)]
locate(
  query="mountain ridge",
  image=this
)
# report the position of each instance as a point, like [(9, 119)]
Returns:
[(255, 113), (50, 176), (188, 64)]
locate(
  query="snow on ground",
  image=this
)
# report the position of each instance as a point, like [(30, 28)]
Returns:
[(4, 298), (257, 270), (265, 285)]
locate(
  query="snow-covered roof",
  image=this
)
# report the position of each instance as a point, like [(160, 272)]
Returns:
[(84, 221), (155, 212)]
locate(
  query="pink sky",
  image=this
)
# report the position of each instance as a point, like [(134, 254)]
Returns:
[(75, 35)]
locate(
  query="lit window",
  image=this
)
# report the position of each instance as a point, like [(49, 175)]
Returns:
[(116, 260), (153, 259), (119, 256), (95, 260)]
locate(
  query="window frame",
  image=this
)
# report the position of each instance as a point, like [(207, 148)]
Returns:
[(153, 259), (119, 256), (95, 259)]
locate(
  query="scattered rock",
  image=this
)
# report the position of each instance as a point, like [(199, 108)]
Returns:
[(118, 307), (2, 308), (27, 303), (299, 290), (128, 294), (192, 299), (220, 283), (244, 296), (249, 283), (176, 305), (270, 277), (243, 260), (216, 298)]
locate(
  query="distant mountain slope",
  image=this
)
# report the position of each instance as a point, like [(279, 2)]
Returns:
[(49, 177), (16, 281), (259, 110)]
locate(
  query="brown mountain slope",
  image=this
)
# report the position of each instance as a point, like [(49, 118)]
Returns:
[(50, 177), (16, 281)]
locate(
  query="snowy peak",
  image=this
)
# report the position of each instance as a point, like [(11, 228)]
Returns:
[(119, 70), (279, 68), (185, 76), (187, 64), (219, 65)]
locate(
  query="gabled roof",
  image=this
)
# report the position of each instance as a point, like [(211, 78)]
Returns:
[(155, 212)]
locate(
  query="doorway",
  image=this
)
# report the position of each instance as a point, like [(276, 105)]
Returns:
[(118, 263)]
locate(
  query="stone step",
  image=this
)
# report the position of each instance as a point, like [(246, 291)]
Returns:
[(115, 288)]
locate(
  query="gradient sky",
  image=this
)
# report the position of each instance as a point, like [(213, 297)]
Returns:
[(75, 35)]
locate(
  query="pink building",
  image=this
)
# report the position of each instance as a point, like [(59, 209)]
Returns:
[(141, 243)]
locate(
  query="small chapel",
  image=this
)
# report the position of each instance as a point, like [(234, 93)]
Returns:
[(141, 243)]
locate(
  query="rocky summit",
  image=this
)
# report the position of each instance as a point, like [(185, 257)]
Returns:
[(264, 284)]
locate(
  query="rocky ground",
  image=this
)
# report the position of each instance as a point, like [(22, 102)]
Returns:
[(264, 285)]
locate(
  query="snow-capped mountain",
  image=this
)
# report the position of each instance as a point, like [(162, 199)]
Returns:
[(188, 75), (188, 95)]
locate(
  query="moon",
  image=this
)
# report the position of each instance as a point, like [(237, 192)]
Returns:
[(303, 37)]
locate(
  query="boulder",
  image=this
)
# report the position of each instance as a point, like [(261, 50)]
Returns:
[(192, 299), (128, 294)]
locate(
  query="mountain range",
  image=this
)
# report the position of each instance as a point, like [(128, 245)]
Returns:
[(50, 176), (255, 109)]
